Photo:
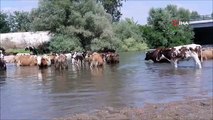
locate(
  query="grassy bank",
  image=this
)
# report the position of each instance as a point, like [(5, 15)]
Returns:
[(15, 51)]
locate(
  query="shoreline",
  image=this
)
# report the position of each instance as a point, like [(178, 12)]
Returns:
[(187, 109)]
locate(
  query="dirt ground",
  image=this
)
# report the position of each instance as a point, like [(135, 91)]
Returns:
[(189, 109)]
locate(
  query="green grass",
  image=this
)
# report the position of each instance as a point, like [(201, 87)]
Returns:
[(15, 51)]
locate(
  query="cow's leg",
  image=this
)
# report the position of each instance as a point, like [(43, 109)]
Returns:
[(196, 58), (91, 64), (18, 63), (73, 61), (66, 65), (199, 63), (174, 63)]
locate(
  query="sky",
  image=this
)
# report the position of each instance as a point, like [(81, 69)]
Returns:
[(136, 9)]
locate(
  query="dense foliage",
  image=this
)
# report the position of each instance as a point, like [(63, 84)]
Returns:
[(95, 25), (4, 25), (161, 31), (19, 21), (77, 24), (113, 8), (130, 35)]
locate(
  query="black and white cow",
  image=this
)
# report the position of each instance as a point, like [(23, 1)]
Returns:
[(174, 54), (78, 58)]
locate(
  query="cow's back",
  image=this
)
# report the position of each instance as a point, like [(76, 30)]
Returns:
[(207, 54), (97, 57), (26, 60)]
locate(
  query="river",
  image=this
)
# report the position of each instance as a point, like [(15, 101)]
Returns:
[(30, 93)]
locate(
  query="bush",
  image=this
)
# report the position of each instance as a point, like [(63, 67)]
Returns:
[(130, 36), (160, 32), (64, 43), (131, 44)]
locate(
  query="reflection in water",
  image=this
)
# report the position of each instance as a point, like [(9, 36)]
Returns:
[(178, 72), (97, 72), (31, 93), (43, 74), (3, 76), (198, 73)]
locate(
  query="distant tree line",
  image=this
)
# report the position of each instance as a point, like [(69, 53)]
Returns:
[(95, 24)]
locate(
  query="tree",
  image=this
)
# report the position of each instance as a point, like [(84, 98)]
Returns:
[(83, 23), (160, 30), (19, 21), (183, 14), (130, 36), (4, 25), (51, 15), (194, 15), (113, 8)]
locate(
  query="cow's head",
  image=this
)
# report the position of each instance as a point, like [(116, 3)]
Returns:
[(148, 55), (152, 54)]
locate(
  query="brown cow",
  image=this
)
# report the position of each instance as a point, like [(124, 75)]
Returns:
[(96, 60), (88, 56), (61, 62), (43, 61), (52, 58), (207, 54), (112, 58), (26, 60)]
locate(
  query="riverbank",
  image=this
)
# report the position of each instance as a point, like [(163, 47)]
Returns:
[(189, 109)]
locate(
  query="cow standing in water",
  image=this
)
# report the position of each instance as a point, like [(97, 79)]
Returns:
[(96, 60), (207, 54), (26, 60), (61, 62), (78, 58), (2, 62), (112, 58), (43, 61), (173, 55)]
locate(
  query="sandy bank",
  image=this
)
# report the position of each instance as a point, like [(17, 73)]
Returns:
[(189, 109)]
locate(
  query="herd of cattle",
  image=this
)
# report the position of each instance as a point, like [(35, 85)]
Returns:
[(97, 59), (60, 61)]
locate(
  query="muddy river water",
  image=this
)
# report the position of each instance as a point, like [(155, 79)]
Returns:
[(30, 93)]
